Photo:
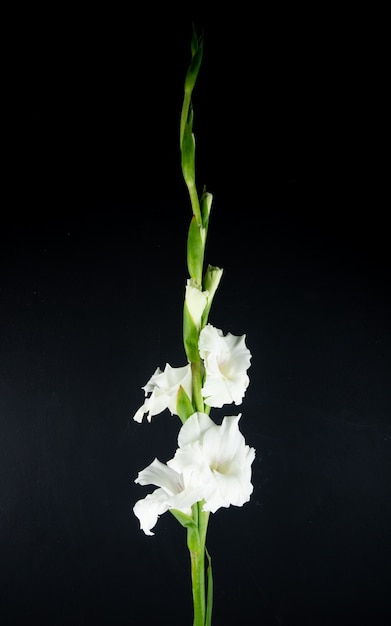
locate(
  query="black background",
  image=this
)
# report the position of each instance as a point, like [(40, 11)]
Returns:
[(289, 131)]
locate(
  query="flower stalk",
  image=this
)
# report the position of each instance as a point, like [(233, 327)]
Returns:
[(196, 535), (197, 386), (211, 467), (196, 538)]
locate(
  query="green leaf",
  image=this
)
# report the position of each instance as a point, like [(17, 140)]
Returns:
[(209, 596), (186, 520), (184, 407)]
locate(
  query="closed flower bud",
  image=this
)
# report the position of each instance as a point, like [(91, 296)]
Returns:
[(197, 48), (206, 205), (195, 250), (196, 301), (188, 155)]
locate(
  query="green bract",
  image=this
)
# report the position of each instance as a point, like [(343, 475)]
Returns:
[(188, 155), (197, 48), (184, 407), (195, 250), (190, 336)]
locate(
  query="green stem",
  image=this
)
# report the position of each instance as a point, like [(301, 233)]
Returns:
[(197, 386), (196, 538), (184, 116), (195, 203)]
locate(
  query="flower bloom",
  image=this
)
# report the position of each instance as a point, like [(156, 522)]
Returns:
[(163, 388), (212, 463), (226, 360), (215, 459), (171, 494)]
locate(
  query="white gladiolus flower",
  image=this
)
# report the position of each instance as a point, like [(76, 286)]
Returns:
[(212, 463), (216, 460), (163, 388), (171, 494), (226, 360)]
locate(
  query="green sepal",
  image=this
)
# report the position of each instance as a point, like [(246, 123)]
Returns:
[(195, 250), (190, 336), (185, 520), (184, 407)]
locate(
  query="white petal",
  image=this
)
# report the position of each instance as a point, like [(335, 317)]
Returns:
[(194, 427), (171, 494), (138, 416), (240, 355), (196, 301), (216, 460), (210, 340), (151, 384), (150, 508), (161, 475), (226, 360), (163, 388), (216, 391)]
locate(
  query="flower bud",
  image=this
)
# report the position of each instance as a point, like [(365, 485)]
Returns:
[(188, 156), (195, 250), (206, 205), (197, 48), (196, 301), (211, 282)]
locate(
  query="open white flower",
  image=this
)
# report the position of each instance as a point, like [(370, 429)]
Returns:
[(212, 463), (216, 460), (163, 388), (171, 494), (226, 360)]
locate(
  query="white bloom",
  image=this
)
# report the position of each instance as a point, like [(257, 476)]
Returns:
[(216, 460), (212, 463), (164, 387), (196, 301), (226, 360), (171, 494)]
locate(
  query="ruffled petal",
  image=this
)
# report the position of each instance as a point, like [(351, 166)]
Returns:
[(226, 360), (149, 509), (163, 389), (194, 428), (159, 474)]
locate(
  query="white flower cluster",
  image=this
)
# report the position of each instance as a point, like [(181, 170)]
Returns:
[(226, 360), (212, 463)]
